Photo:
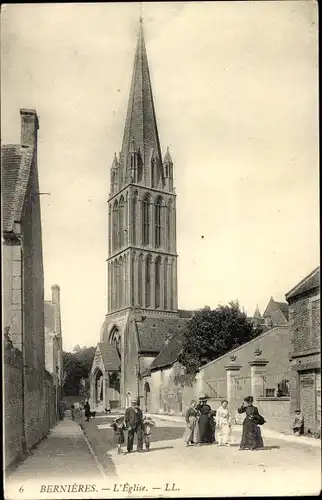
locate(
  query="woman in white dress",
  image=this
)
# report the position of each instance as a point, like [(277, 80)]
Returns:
[(223, 424)]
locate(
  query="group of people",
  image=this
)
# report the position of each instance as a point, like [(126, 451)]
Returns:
[(135, 424), (204, 425)]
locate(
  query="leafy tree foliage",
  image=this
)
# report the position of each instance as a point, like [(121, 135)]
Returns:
[(77, 366), (214, 332)]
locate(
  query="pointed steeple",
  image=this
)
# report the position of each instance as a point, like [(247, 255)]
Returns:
[(140, 124), (257, 313), (115, 162), (167, 157)]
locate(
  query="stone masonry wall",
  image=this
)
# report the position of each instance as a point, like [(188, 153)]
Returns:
[(305, 323), (13, 405)]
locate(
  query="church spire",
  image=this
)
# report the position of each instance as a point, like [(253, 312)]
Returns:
[(140, 124)]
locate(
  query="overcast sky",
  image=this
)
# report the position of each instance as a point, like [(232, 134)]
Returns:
[(235, 90)]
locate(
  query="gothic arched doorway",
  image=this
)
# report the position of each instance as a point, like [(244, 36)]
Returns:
[(147, 393), (98, 388), (114, 377)]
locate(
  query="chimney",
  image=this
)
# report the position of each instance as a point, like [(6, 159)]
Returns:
[(55, 294), (29, 127), (55, 299)]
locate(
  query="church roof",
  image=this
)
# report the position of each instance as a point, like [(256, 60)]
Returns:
[(308, 283), (111, 358), (275, 308), (16, 162), (169, 354), (140, 124), (153, 332), (185, 313)]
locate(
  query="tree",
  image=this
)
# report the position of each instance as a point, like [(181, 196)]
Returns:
[(212, 333), (77, 366)]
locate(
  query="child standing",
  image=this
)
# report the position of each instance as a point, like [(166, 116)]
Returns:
[(298, 423), (118, 427), (147, 431)]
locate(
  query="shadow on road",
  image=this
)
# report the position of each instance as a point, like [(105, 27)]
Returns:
[(161, 448)]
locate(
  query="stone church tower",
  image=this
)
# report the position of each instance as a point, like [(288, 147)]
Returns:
[(142, 262), (142, 305)]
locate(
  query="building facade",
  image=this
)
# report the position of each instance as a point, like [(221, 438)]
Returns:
[(53, 342), (142, 251), (27, 385), (304, 308)]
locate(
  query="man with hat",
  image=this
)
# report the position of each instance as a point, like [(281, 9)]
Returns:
[(134, 425)]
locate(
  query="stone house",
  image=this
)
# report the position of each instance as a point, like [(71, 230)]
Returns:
[(27, 385), (304, 307)]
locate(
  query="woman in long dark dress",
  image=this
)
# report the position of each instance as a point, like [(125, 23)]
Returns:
[(204, 423), (251, 437)]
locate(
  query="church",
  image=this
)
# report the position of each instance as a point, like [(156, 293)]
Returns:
[(142, 306)]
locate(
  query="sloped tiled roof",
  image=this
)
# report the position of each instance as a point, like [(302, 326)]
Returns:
[(310, 282), (153, 332), (16, 162), (185, 313), (274, 306), (169, 354), (49, 310), (111, 359)]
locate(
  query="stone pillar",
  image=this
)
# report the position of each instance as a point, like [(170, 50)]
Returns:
[(232, 372), (257, 372)]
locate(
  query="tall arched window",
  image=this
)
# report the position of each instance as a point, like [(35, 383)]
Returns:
[(121, 283), (157, 222), (117, 285), (133, 280), (169, 214), (171, 285), (121, 222), (109, 287), (153, 173), (157, 266), (165, 283), (109, 229), (115, 238), (148, 281), (140, 280), (146, 219), (134, 217)]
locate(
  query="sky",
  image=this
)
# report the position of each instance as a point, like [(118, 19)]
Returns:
[(236, 98)]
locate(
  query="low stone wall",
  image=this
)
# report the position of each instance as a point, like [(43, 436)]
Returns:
[(13, 406), (29, 406), (276, 412)]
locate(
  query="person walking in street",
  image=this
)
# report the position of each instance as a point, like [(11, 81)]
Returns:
[(251, 437), (223, 424), (72, 411), (148, 424), (134, 424), (298, 423), (87, 409), (191, 432), (118, 427), (204, 423), (61, 410)]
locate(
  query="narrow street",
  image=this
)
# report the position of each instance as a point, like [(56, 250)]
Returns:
[(71, 463), (282, 468)]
